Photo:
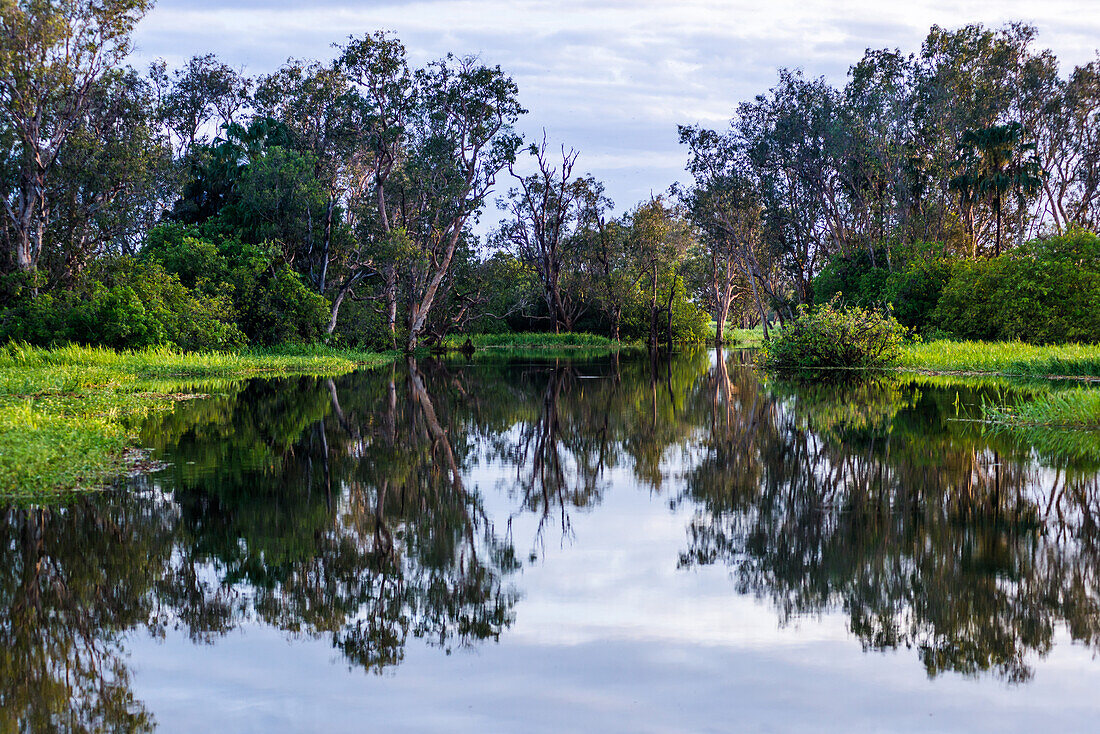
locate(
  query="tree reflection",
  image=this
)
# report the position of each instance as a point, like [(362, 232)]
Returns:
[(344, 510), (926, 536)]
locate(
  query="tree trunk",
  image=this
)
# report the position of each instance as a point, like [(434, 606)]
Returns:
[(653, 312), (391, 305), (671, 296), (720, 324)]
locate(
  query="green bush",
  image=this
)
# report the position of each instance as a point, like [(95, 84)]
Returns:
[(271, 303), (1046, 293), (830, 336), (126, 303), (912, 288)]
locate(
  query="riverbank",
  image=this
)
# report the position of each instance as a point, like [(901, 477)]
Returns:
[(1073, 408), (68, 415), (1013, 359)]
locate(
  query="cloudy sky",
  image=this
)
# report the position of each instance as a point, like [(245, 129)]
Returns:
[(610, 78)]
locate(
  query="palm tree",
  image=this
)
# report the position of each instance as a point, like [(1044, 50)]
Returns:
[(996, 161)]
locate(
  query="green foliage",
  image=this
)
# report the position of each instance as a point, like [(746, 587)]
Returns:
[(830, 336), (1045, 294), (912, 289), (127, 303), (271, 303)]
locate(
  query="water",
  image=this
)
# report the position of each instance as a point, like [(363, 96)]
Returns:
[(552, 545)]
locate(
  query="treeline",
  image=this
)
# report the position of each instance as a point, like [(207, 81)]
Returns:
[(326, 201), (340, 200), (925, 175)]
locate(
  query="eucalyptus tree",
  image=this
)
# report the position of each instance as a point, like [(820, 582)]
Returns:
[(543, 212), (111, 180), (436, 140), (612, 267), (199, 99), (1068, 140), (52, 54), (462, 139), (723, 204), (877, 135), (790, 139), (659, 238)]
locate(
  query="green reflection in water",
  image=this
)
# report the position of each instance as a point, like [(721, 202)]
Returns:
[(343, 510)]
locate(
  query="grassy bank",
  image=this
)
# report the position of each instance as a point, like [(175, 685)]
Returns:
[(68, 415), (1073, 408), (1003, 358)]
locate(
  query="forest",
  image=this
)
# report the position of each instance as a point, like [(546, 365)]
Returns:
[(349, 201)]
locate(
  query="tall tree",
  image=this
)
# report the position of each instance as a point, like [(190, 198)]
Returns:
[(542, 212), (52, 53)]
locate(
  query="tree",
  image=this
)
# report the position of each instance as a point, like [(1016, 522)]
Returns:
[(203, 97), (52, 53), (725, 207), (435, 141), (543, 211), (660, 238), (995, 162), (320, 110), (463, 139), (613, 269)]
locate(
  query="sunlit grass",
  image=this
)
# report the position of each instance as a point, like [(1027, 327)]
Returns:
[(1006, 358), (743, 337), (68, 414), (1076, 408)]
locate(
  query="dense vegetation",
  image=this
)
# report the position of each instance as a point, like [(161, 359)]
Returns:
[(836, 338), (338, 200)]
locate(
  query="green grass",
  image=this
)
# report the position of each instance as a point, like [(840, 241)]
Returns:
[(67, 415), (1004, 358), (1075, 408), (744, 337), (529, 339)]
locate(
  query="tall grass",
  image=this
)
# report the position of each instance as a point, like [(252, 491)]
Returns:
[(1076, 408), (1006, 358), (744, 337), (67, 414)]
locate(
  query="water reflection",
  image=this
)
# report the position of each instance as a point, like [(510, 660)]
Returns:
[(868, 498), (344, 509)]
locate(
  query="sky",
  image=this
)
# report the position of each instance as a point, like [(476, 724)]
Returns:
[(611, 79)]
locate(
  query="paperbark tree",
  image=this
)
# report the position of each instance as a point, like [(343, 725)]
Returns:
[(52, 53)]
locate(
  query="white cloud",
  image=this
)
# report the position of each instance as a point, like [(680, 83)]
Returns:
[(610, 78)]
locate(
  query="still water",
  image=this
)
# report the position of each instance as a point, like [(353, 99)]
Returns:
[(546, 545)]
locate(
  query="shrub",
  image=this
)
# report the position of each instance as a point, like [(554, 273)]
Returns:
[(271, 303), (1046, 293), (125, 303), (834, 337)]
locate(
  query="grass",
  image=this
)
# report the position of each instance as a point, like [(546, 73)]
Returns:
[(1004, 358), (68, 415), (1075, 408), (744, 337), (530, 340)]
